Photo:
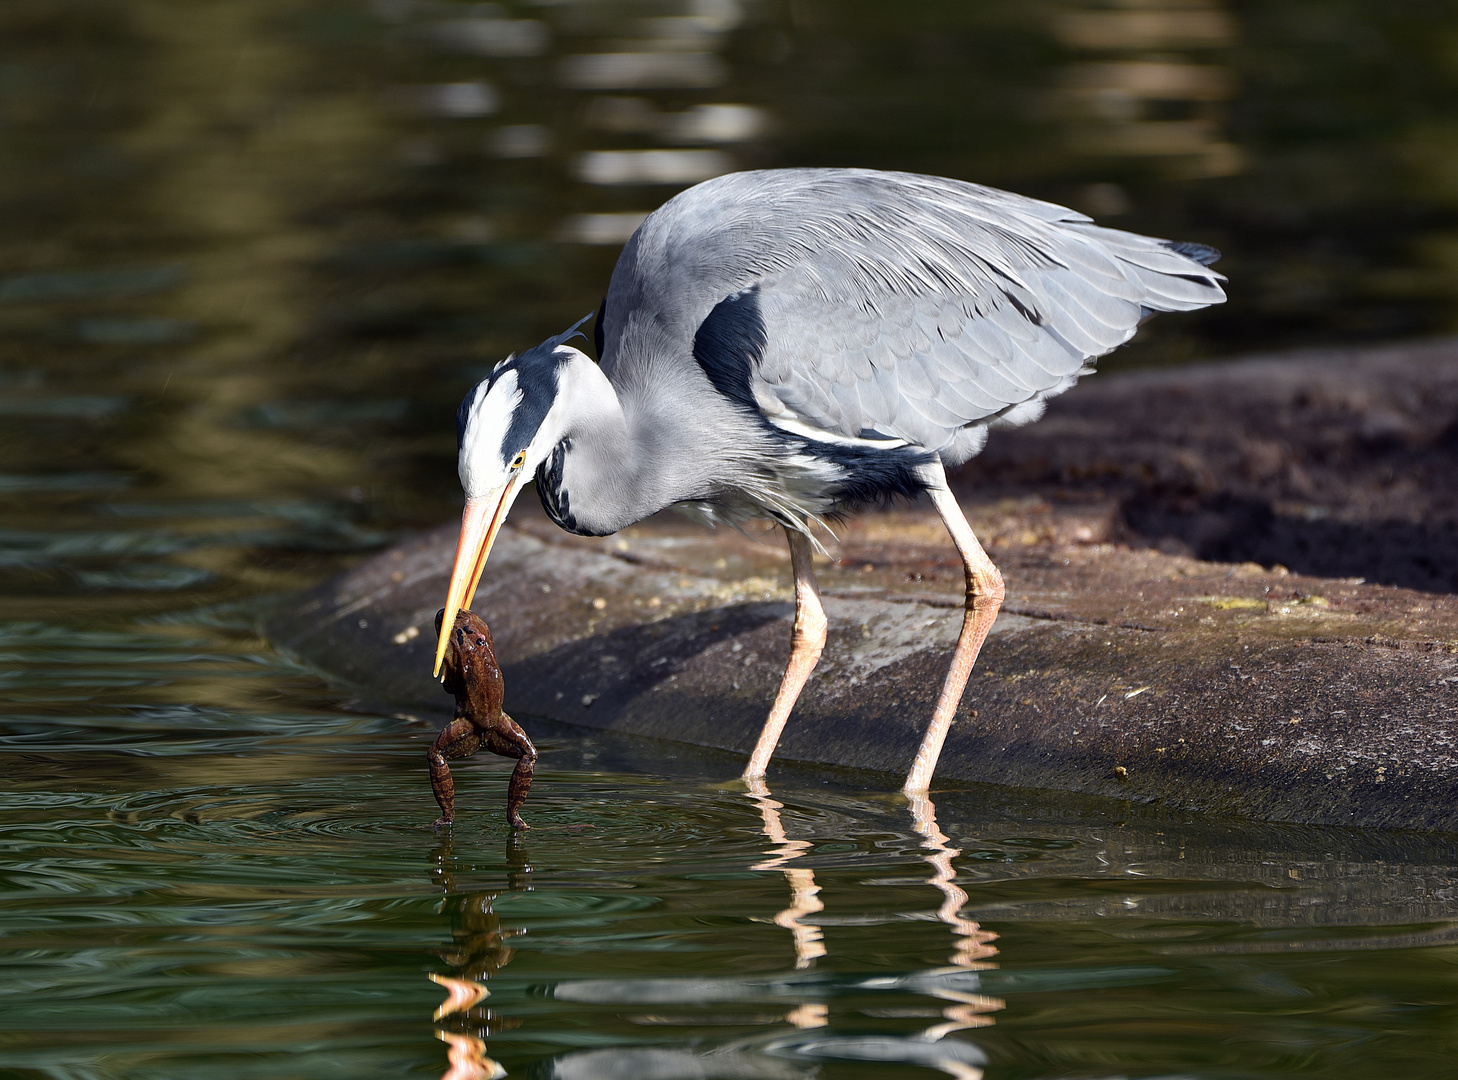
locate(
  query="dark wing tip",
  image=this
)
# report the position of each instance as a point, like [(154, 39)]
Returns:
[(1203, 254)]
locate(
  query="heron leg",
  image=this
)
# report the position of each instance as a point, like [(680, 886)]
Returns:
[(984, 598), (806, 644)]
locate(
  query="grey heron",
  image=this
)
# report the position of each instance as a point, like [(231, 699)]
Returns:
[(794, 343)]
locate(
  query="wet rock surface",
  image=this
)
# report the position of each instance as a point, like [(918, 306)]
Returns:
[(1187, 622)]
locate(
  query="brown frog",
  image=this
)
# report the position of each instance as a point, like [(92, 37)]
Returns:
[(472, 675)]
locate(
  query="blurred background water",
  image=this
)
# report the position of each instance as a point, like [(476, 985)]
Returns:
[(251, 254)]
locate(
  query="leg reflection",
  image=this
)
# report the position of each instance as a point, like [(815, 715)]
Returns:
[(972, 946), (804, 892)]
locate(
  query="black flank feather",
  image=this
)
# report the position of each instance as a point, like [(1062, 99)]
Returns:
[(729, 343), (731, 340)]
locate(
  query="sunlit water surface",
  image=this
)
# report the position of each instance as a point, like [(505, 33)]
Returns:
[(250, 256), (213, 867)]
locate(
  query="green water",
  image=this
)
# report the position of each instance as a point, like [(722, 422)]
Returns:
[(251, 254)]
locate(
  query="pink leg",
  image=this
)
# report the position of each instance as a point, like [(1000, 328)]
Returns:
[(805, 647), (984, 599)]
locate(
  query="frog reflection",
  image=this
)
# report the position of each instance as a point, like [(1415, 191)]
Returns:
[(479, 950), (480, 946)]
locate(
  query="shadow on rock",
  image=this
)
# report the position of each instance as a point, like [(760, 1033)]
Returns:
[(607, 672), (1231, 528)]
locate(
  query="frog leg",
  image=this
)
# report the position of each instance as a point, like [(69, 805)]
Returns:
[(507, 739), (458, 739)]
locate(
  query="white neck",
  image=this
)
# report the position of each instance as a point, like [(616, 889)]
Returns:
[(628, 455)]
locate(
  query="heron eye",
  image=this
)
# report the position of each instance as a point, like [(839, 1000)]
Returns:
[(520, 459)]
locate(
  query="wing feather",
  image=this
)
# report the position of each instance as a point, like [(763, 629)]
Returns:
[(877, 394), (1050, 352), (987, 373), (913, 380), (936, 413), (906, 305)]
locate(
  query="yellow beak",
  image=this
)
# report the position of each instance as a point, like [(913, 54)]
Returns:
[(480, 522)]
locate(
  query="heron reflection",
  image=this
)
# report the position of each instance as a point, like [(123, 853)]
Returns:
[(972, 950), (468, 1060), (793, 1012)]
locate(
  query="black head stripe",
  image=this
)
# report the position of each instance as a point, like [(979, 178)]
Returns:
[(537, 375), (527, 417)]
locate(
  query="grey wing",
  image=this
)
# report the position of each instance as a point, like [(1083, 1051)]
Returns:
[(866, 305)]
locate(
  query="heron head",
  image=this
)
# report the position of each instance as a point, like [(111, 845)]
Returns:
[(505, 428)]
